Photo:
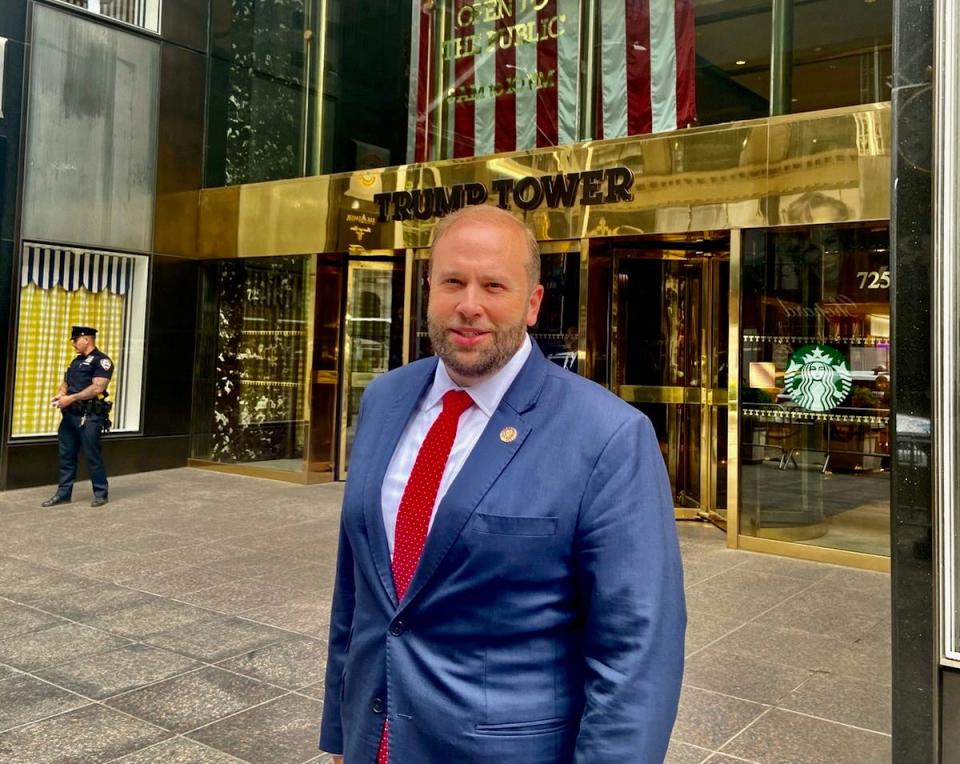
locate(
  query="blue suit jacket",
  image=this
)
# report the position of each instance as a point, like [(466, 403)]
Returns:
[(545, 622)]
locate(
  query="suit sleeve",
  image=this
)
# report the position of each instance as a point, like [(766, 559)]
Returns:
[(341, 626), (630, 580)]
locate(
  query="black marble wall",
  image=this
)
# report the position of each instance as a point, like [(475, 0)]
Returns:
[(915, 718), (13, 27)]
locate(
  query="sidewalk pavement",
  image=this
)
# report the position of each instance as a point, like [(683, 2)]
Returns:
[(186, 622)]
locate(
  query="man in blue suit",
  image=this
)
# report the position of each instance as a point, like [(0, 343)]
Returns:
[(512, 594)]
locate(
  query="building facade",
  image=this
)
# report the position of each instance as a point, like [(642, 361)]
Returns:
[(240, 195)]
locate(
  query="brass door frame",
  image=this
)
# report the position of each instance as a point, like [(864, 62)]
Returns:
[(710, 398)]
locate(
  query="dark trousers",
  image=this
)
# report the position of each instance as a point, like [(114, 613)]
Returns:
[(71, 438)]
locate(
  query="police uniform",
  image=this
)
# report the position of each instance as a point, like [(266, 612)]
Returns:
[(82, 424)]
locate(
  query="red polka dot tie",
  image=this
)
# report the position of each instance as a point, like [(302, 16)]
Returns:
[(416, 505)]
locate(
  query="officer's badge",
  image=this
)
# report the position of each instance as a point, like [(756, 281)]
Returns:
[(105, 363), (88, 361)]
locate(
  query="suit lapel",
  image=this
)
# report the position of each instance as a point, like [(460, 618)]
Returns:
[(399, 413), (486, 462)]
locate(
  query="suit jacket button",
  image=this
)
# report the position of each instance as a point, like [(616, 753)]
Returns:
[(377, 706), (396, 629)]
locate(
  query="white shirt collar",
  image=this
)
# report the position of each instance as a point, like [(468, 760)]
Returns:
[(486, 394)]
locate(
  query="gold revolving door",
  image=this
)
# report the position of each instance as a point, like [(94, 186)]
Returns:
[(669, 354)]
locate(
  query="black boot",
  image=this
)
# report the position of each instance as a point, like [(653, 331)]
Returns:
[(56, 499)]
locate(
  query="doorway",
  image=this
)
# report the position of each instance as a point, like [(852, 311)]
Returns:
[(669, 359)]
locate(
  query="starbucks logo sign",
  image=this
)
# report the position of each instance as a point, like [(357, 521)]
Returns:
[(817, 377)]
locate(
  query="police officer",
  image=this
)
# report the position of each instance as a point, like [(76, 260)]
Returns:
[(82, 402)]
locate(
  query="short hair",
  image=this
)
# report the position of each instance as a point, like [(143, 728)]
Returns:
[(487, 213)]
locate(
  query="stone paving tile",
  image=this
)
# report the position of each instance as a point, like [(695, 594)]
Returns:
[(237, 596), (199, 554), (742, 677), (54, 645), (185, 579), (194, 700), (709, 719), (840, 699), (283, 730), (219, 638), (18, 619), (783, 737), (107, 674), (684, 753), (178, 750), (305, 614), (150, 618), (93, 601), (703, 629), (41, 583), (90, 735), (292, 664), (25, 699)]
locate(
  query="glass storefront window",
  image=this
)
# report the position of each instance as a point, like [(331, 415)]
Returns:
[(815, 386), (293, 93), (373, 85), (92, 137), (252, 362), (843, 56), (62, 287)]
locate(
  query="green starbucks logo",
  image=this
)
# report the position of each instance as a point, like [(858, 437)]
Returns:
[(817, 377)]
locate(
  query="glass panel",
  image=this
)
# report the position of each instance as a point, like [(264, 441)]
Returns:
[(278, 110), (62, 287), (140, 13), (557, 329), (373, 336), (659, 322), (842, 57), (90, 170), (678, 431), (249, 401), (733, 60), (815, 386)]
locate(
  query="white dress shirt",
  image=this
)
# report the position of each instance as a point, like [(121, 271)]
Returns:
[(486, 398)]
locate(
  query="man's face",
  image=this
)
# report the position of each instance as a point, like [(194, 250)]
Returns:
[(481, 301), (82, 344)]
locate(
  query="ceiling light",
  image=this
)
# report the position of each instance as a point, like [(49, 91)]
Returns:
[(740, 62)]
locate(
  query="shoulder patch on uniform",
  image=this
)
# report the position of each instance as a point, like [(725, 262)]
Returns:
[(105, 363)]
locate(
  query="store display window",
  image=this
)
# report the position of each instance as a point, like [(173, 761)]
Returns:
[(815, 386), (61, 287)]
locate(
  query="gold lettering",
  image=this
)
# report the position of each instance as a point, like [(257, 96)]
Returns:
[(466, 16)]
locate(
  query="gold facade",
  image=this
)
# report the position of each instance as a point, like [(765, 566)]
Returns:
[(701, 182), (739, 175)]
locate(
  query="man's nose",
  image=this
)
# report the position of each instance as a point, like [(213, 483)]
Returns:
[(470, 305)]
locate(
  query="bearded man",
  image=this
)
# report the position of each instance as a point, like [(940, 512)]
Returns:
[(508, 583)]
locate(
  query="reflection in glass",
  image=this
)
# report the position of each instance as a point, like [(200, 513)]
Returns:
[(815, 386), (249, 400), (671, 360), (90, 171)]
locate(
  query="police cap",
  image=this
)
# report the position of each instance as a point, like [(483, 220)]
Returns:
[(82, 331)]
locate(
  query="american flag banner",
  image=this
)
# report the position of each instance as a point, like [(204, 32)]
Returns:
[(511, 73), (646, 54)]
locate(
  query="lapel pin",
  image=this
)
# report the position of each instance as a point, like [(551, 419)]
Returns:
[(508, 434)]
